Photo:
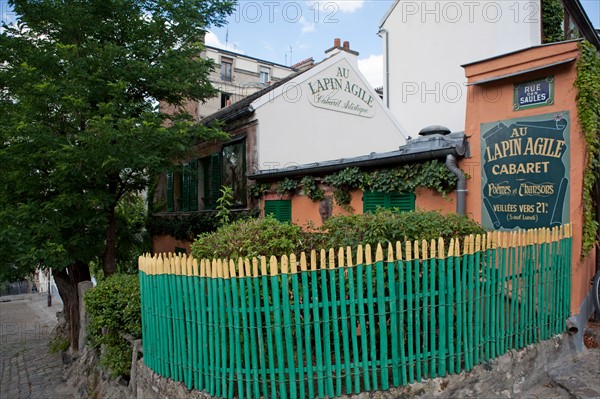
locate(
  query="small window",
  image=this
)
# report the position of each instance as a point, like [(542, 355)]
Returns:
[(225, 100), (233, 170), (403, 202), (280, 209), (226, 69), (265, 75)]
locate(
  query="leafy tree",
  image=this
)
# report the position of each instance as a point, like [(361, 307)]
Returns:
[(81, 131)]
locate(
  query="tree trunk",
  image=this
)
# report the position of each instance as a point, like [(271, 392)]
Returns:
[(66, 281), (109, 258)]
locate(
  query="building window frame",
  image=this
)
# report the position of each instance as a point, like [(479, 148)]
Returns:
[(226, 69), (264, 74)]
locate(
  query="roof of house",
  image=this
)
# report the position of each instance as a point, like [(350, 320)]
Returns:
[(234, 54), (420, 149), (584, 24), (388, 13), (243, 107), (519, 51)]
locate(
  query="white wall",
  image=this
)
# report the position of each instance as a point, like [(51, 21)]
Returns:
[(428, 42), (295, 128)]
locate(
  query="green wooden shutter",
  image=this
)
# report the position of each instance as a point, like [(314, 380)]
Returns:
[(193, 185), (405, 202), (372, 200), (215, 178), (170, 193), (402, 201), (185, 188), (280, 209)]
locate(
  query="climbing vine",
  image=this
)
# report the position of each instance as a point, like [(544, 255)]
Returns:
[(258, 190), (552, 21), (287, 186), (432, 174), (343, 183), (311, 188), (588, 107)]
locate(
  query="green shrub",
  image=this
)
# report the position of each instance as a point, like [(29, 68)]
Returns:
[(266, 237), (389, 226), (252, 238), (114, 305)]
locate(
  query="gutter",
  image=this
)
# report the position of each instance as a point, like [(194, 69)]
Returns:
[(461, 186), (387, 64)]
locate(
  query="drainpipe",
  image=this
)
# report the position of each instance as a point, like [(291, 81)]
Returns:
[(461, 187), (387, 64)]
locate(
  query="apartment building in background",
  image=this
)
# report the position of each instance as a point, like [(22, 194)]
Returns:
[(237, 76)]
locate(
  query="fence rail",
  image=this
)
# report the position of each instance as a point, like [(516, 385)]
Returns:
[(337, 322)]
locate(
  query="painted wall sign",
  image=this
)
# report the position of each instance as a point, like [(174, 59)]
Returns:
[(341, 92), (536, 93), (525, 174)]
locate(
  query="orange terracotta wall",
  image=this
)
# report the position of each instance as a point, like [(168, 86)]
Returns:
[(491, 102), (430, 200), (306, 211), (166, 244)]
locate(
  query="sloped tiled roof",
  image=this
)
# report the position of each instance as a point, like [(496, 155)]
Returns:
[(241, 107)]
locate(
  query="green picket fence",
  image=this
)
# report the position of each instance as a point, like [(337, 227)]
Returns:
[(337, 322)]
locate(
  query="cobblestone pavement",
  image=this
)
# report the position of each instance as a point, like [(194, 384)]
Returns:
[(27, 368)]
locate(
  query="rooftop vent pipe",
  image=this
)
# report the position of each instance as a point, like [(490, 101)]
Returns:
[(434, 129)]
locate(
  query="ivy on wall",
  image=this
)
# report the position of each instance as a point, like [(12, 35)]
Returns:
[(432, 174), (552, 21), (588, 109)]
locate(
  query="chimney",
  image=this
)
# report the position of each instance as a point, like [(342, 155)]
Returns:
[(337, 47), (304, 65)]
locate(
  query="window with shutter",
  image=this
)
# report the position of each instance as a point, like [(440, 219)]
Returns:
[(185, 189), (280, 209), (193, 185), (233, 170), (215, 179), (189, 187), (170, 192), (402, 202)]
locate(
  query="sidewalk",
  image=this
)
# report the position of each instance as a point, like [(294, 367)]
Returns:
[(27, 368)]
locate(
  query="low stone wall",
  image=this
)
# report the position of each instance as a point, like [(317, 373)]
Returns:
[(508, 376), (153, 386)]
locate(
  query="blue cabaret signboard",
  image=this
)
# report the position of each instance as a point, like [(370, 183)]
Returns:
[(525, 173)]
